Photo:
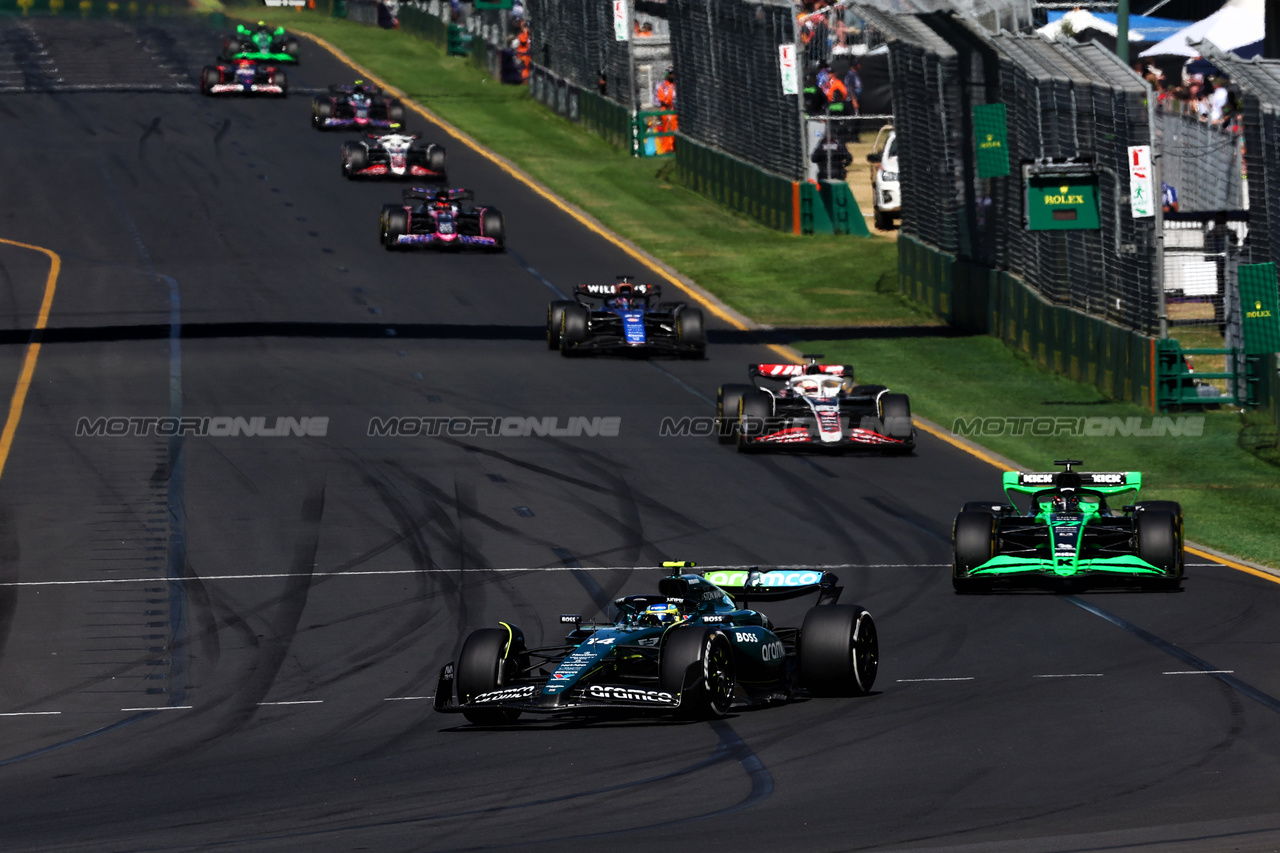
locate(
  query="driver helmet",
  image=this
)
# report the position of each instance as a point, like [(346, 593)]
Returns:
[(1061, 503), (809, 386), (664, 613)]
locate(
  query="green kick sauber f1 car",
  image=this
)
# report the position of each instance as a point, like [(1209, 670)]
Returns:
[(1068, 534), (262, 43)]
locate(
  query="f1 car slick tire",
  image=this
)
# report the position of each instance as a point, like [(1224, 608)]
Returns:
[(230, 47), (290, 48), (895, 413), (705, 658), (209, 78), (1160, 506), (395, 111), (974, 538), (575, 325), (1156, 534), (484, 666), (321, 109), (492, 224), (691, 332), (839, 650), (355, 156), (727, 398), (755, 409), (435, 157), (555, 314), (395, 221), (281, 79)]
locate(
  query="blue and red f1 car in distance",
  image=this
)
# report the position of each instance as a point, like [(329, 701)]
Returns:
[(694, 650), (359, 107), (629, 318), (244, 77), (442, 218)]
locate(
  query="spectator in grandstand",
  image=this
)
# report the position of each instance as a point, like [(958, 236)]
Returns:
[(1217, 100), (836, 93), (1168, 198), (664, 96), (832, 158)]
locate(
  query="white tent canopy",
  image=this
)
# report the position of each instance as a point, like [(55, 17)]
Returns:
[(1236, 24)]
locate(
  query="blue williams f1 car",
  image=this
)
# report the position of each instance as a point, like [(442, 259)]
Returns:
[(694, 650), (360, 107), (1069, 534), (442, 218), (629, 318)]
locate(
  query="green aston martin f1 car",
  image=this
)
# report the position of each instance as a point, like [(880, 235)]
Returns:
[(261, 42), (1069, 533)]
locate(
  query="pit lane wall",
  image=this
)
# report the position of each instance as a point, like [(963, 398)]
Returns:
[(976, 299)]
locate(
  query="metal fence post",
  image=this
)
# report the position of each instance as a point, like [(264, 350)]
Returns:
[(1157, 181)]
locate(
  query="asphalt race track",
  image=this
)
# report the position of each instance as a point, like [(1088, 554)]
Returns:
[(230, 642)]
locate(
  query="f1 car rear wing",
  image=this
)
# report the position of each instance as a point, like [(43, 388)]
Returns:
[(604, 291), (776, 584), (786, 371), (1107, 483), (425, 194)]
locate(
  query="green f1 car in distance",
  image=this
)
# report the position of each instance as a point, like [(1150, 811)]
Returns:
[(262, 43), (694, 650), (1068, 534)]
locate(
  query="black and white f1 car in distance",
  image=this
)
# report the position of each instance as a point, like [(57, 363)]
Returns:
[(244, 77), (360, 107), (627, 318), (442, 218), (694, 650), (393, 154), (813, 406)]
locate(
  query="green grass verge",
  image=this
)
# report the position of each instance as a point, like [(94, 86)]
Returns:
[(774, 277), (1231, 497)]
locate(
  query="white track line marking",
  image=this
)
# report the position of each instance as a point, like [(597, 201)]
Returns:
[(1071, 675), (29, 713), (392, 572), (406, 698), (913, 680), (296, 702), (1202, 672), (163, 708)]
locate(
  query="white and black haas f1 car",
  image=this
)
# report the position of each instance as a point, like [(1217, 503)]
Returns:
[(817, 406), (694, 650), (442, 218), (359, 107), (397, 154), (629, 318), (244, 77)]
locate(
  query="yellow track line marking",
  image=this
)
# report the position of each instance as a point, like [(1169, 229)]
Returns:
[(33, 351), (512, 170), (1231, 564), (515, 172)]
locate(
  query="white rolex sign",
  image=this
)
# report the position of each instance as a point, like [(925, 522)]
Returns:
[(787, 65), (621, 30), (1142, 199)]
